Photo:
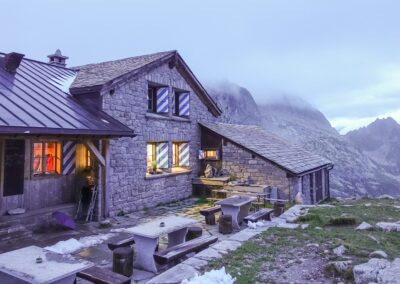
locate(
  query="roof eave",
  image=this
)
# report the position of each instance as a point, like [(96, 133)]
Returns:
[(29, 131)]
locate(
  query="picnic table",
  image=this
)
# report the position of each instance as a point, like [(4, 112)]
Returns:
[(236, 206), (21, 266), (147, 235)]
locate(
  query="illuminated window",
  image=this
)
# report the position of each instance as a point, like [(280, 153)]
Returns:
[(89, 159), (151, 156), (46, 158), (211, 154)]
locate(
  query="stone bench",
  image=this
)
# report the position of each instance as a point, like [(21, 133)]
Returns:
[(263, 214), (99, 275), (178, 251), (208, 213)]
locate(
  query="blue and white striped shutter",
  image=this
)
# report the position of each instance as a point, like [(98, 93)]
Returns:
[(162, 100), (68, 157), (184, 155), (162, 155), (184, 104)]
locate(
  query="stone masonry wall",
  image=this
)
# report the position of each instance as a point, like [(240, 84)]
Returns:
[(240, 163), (130, 188)]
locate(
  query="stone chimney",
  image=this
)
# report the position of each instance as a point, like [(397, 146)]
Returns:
[(58, 59), (12, 61)]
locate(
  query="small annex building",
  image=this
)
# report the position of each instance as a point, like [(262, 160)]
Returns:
[(252, 153)]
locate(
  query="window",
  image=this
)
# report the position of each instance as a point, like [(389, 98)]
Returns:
[(181, 103), (180, 154), (210, 154), (46, 158), (151, 156), (152, 99), (89, 159), (157, 157), (158, 99)]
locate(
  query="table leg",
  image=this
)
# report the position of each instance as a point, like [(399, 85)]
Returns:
[(177, 237), (244, 211), (234, 212), (145, 248)]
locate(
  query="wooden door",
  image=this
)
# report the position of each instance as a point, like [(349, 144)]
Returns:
[(12, 173)]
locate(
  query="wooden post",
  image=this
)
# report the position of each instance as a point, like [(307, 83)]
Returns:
[(314, 188), (107, 187), (323, 183)]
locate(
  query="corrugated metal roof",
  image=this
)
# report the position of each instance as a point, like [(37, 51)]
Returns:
[(36, 100), (256, 139)]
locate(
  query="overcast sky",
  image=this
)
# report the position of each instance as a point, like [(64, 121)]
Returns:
[(343, 57)]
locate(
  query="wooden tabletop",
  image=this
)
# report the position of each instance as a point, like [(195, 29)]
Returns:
[(21, 264), (236, 201), (154, 230)]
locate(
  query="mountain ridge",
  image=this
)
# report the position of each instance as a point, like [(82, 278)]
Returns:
[(355, 173)]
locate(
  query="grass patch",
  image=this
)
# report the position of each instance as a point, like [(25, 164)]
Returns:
[(202, 200), (342, 221), (259, 254)]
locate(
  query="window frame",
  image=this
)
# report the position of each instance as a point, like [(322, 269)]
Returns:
[(152, 98), (58, 158)]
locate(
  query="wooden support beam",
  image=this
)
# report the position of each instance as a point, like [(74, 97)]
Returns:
[(95, 152)]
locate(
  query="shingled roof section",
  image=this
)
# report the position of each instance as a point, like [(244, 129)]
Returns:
[(256, 139), (98, 74), (92, 77), (36, 100)]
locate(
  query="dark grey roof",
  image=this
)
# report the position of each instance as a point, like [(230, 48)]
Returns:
[(92, 77), (36, 100), (101, 73), (256, 139)]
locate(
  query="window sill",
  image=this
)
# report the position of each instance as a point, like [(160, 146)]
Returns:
[(45, 176), (150, 115), (164, 175)]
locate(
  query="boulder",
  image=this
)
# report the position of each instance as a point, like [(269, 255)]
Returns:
[(364, 226), (389, 226), (378, 254), (385, 196), (340, 250), (341, 266), (377, 271), (390, 274), (368, 272)]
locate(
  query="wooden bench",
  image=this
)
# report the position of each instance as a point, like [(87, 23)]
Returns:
[(208, 213), (118, 242), (178, 251), (99, 275), (264, 214)]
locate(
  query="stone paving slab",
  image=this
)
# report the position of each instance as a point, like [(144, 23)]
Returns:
[(208, 254), (175, 275), (226, 246)]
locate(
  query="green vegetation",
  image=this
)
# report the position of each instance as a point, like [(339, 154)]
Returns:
[(329, 228), (202, 200)]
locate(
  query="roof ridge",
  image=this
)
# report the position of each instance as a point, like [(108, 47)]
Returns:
[(123, 59)]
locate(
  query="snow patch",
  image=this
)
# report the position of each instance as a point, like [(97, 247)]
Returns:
[(256, 224), (73, 245), (212, 277)]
